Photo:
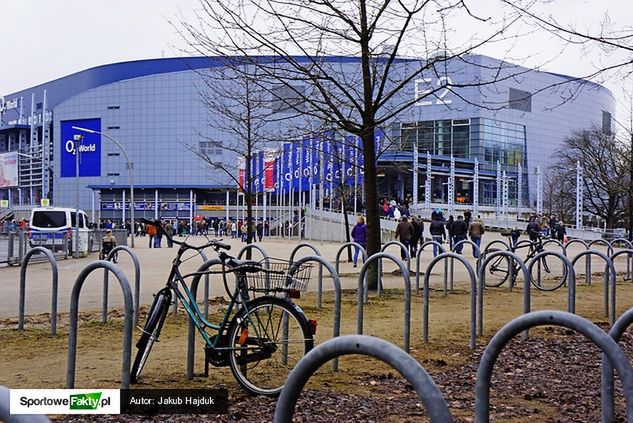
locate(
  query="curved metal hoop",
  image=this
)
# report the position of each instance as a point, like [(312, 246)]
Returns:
[(363, 345)]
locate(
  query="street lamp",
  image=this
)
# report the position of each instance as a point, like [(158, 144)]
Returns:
[(129, 166)]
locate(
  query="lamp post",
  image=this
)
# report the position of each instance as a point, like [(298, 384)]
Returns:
[(129, 166), (76, 147)]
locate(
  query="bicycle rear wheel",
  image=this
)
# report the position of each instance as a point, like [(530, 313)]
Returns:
[(267, 338), (497, 270), (548, 275), (151, 331)]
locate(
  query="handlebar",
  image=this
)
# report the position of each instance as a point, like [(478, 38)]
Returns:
[(216, 244)]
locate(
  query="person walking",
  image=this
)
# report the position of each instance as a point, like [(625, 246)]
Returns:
[(259, 229), (418, 227), (475, 231), (404, 232), (533, 230), (151, 233), (169, 229), (460, 229), (438, 233), (560, 232), (359, 235), (449, 229)]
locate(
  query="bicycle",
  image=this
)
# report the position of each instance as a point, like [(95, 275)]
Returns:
[(262, 341), (499, 267)]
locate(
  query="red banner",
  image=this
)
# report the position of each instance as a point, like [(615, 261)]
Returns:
[(269, 170)]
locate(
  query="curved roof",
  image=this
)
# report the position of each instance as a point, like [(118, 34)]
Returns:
[(65, 87)]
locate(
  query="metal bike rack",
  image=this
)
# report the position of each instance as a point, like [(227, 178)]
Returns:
[(494, 242), (464, 242), (587, 259), (247, 247), (379, 264), (602, 242), (629, 258), (5, 411), (606, 371), (320, 275), (336, 324), (629, 253), (541, 318), (337, 260), (417, 263), (609, 276), (557, 242), (174, 309), (571, 279), (127, 322), (407, 294), (137, 283), (191, 330), (425, 295), (482, 284), (406, 365), (49, 256)]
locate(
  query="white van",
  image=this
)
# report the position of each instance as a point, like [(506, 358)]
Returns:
[(49, 226)]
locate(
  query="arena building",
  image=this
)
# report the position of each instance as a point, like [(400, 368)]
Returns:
[(501, 132)]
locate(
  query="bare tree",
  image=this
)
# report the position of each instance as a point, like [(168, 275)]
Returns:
[(615, 43), (557, 186), (239, 123), (605, 161), (302, 39)]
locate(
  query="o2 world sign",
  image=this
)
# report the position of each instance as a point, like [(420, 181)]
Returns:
[(89, 148)]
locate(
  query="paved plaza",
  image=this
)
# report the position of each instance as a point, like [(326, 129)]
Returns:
[(155, 264)]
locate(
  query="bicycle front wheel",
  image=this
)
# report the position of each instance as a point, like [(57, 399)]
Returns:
[(498, 270), (151, 331), (549, 275), (267, 339)]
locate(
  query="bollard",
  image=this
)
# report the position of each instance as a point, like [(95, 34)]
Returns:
[(25, 262), (540, 318), (606, 371), (127, 325), (191, 330), (137, 282), (417, 261), (425, 295), (482, 284), (320, 274), (571, 277), (384, 248), (609, 276), (407, 294), (336, 324), (406, 365), (587, 259)]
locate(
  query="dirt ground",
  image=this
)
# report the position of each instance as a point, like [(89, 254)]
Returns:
[(551, 377)]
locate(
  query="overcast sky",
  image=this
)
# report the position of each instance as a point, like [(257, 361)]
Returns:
[(44, 40)]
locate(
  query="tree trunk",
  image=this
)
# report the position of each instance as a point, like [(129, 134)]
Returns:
[(371, 203)]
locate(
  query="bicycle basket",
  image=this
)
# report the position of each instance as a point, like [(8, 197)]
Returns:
[(274, 276)]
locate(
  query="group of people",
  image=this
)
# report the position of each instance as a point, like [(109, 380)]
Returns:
[(548, 226), (394, 209)]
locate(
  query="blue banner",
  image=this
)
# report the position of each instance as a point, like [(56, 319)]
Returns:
[(296, 164), (286, 166), (316, 159), (328, 157), (89, 148), (351, 154), (306, 168), (261, 175)]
